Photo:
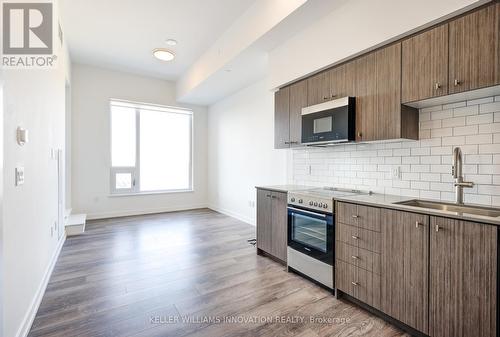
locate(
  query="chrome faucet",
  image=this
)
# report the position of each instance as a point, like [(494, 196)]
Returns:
[(456, 171)]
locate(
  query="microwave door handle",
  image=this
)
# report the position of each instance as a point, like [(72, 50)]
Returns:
[(307, 212)]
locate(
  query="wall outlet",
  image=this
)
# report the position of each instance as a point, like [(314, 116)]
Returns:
[(396, 172), (19, 176)]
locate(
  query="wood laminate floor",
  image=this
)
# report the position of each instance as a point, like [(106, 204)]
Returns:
[(186, 274)]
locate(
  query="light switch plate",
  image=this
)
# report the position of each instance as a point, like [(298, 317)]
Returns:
[(19, 176)]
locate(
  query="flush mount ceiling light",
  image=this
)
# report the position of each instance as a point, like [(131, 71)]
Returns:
[(163, 54), (171, 42)]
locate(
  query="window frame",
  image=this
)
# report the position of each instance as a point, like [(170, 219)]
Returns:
[(135, 170)]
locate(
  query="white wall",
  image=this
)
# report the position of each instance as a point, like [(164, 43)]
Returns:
[(241, 151), (92, 88), (425, 164), (353, 27), (33, 99)]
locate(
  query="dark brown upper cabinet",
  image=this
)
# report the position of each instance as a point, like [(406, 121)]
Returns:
[(425, 65), (474, 50), (366, 101), (298, 100), (343, 80), (282, 118), (318, 88), (288, 104), (379, 113)]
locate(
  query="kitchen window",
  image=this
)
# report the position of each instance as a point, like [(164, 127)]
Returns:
[(151, 148)]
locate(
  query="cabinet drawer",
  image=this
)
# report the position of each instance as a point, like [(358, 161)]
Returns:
[(359, 283), (358, 237), (358, 257), (360, 216)]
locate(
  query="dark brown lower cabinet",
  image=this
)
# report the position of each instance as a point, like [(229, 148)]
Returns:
[(463, 279), (436, 275), (404, 265), (272, 223)]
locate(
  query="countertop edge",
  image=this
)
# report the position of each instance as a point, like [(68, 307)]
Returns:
[(427, 211)]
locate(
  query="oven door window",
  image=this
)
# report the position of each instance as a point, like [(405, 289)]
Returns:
[(309, 231)]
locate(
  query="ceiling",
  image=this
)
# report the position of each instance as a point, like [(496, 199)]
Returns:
[(120, 34)]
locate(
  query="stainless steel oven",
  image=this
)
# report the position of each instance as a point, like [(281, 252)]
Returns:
[(311, 233)]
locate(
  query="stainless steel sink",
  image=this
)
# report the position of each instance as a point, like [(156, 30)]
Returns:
[(459, 209)]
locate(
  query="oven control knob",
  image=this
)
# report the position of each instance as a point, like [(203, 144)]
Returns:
[(310, 203), (325, 206), (315, 203), (292, 199), (300, 201)]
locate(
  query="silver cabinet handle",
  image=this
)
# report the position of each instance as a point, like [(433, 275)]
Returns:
[(355, 283), (437, 228), (273, 196), (437, 86), (355, 216), (355, 237), (355, 257), (268, 195), (417, 224), (457, 82), (294, 142)]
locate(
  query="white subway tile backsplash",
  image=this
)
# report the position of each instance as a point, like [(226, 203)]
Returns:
[(479, 119), (479, 139), (489, 169), (457, 140), (453, 105), (465, 130), (489, 148), (443, 114), (425, 165), (420, 151), (430, 124), (443, 132), (466, 111), (480, 101), (489, 128), (490, 107), (451, 122)]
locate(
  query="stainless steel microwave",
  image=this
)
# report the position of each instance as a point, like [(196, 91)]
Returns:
[(329, 122)]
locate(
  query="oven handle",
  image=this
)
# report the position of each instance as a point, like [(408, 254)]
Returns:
[(298, 210)]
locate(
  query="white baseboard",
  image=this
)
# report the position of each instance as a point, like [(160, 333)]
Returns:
[(116, 214), (25, 327), (232, 214)]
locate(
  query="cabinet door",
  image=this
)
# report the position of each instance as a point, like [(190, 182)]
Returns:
[(388, 110), (463, 278), (282, 118), (366, 99), (343, 80), (404, 266), (425, 65), (279, 225), (298, 100), (318, 88), (474, 50), (264, 225)]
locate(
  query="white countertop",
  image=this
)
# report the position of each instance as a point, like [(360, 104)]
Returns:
[(389, 201)]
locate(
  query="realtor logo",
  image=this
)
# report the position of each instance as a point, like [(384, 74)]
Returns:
[(28, 35)]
